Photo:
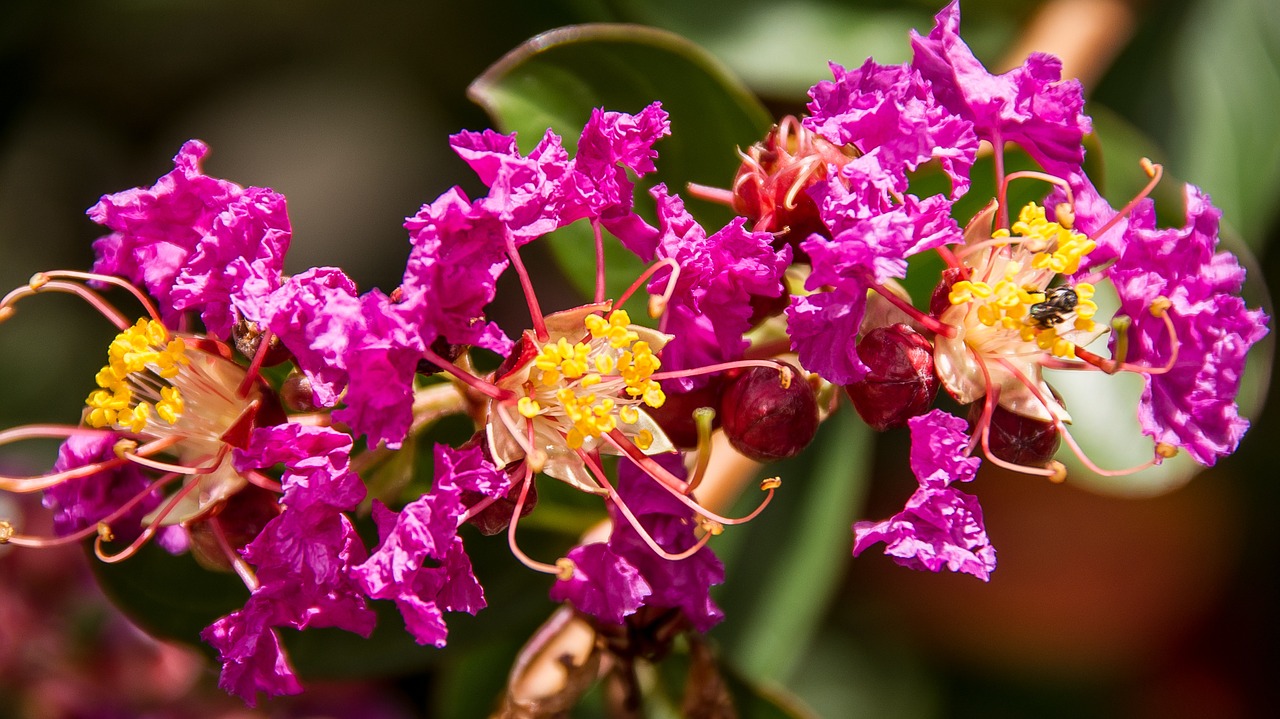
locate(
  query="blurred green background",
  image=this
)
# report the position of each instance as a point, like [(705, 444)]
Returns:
[(1101, 606)]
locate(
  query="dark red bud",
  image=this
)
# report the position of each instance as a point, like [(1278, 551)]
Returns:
[(241, 518), (901, 382), (766, 421), (296, 394), (675, 416), (1017, 439), (495, 518), (940, 300)]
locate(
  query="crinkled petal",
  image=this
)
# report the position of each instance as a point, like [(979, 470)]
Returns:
[(611, 143), (1192, 406), (940, 526), (316, 460), (939, 443), (1030, 105), (824, 331), (524, 192), (315, 314), (155, 230), (459, 251), (890, 112), (83, 502), (252, 658), (379, 399), (603, 584)]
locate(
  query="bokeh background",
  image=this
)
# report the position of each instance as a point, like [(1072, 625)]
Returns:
[(1102, 606)]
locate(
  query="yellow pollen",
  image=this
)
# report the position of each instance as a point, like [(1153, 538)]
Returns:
[(1160, 305), (145, 348), (566, 568), (528, 407), (6, 531), (644, 439), (770, 483), (1166, 451), (629, 414)]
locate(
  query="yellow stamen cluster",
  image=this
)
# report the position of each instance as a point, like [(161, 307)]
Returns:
[(597, 382), (1056, 247), (1004, 304), (144, 348)]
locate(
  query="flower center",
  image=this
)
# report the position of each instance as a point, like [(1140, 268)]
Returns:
[(591, 386), (158, 385)]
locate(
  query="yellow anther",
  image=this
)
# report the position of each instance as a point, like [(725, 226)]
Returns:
[(1066, 214), (1059, 472), (1165, 450), (710, 526), (1147, 166), (105, 533), (605, 364), (770, 483), (528, 407), (1160, 305), (170, 406), (38, 280), (6, 531), (574, 438), (654, 396), (644, 439), (629, 414), (596, 325), (657, 305), (565, 569), (590, 380), (123, 447)]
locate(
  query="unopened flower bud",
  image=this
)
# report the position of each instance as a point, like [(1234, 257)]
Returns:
[(296, 394), (494, 518), (241, 518), (765, 420), (675, 416), (1018, 439), (770, 188), (901, 382)]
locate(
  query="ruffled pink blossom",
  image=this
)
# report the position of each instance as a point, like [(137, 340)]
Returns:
[(315, 314), (940, 526), (1193, 405), (889, 113), (1030, 105)]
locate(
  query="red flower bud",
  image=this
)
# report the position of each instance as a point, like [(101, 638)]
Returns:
[(901, 382), (675, 416), (766, 421), (1017, 439)]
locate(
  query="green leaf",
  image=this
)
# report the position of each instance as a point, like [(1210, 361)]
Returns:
[(556, 79)]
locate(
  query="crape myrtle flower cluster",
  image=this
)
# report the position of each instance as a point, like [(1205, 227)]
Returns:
[(186, 441), (1016, 297)]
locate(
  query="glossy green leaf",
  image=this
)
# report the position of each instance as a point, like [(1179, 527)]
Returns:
[(557, 78)]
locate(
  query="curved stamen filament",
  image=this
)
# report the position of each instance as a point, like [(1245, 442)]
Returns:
[(702, 420), (89, 531), (717, 195), (656, 306), (241, 567), (635, 523), (487, 389), (125, 285), (515, 519), (929, 322), (255, 366), (24, 485), (599, 238), (259, 479), (679, 491), (147, 533), (535, 311), (1071, 442), (41, 284), (1155, 172), (783, 370), (141, 459), (475, 509), (983, 434), (1033, 175), (1111, 366)]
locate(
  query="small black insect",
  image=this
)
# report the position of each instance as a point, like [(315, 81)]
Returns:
[(1058, 302)]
